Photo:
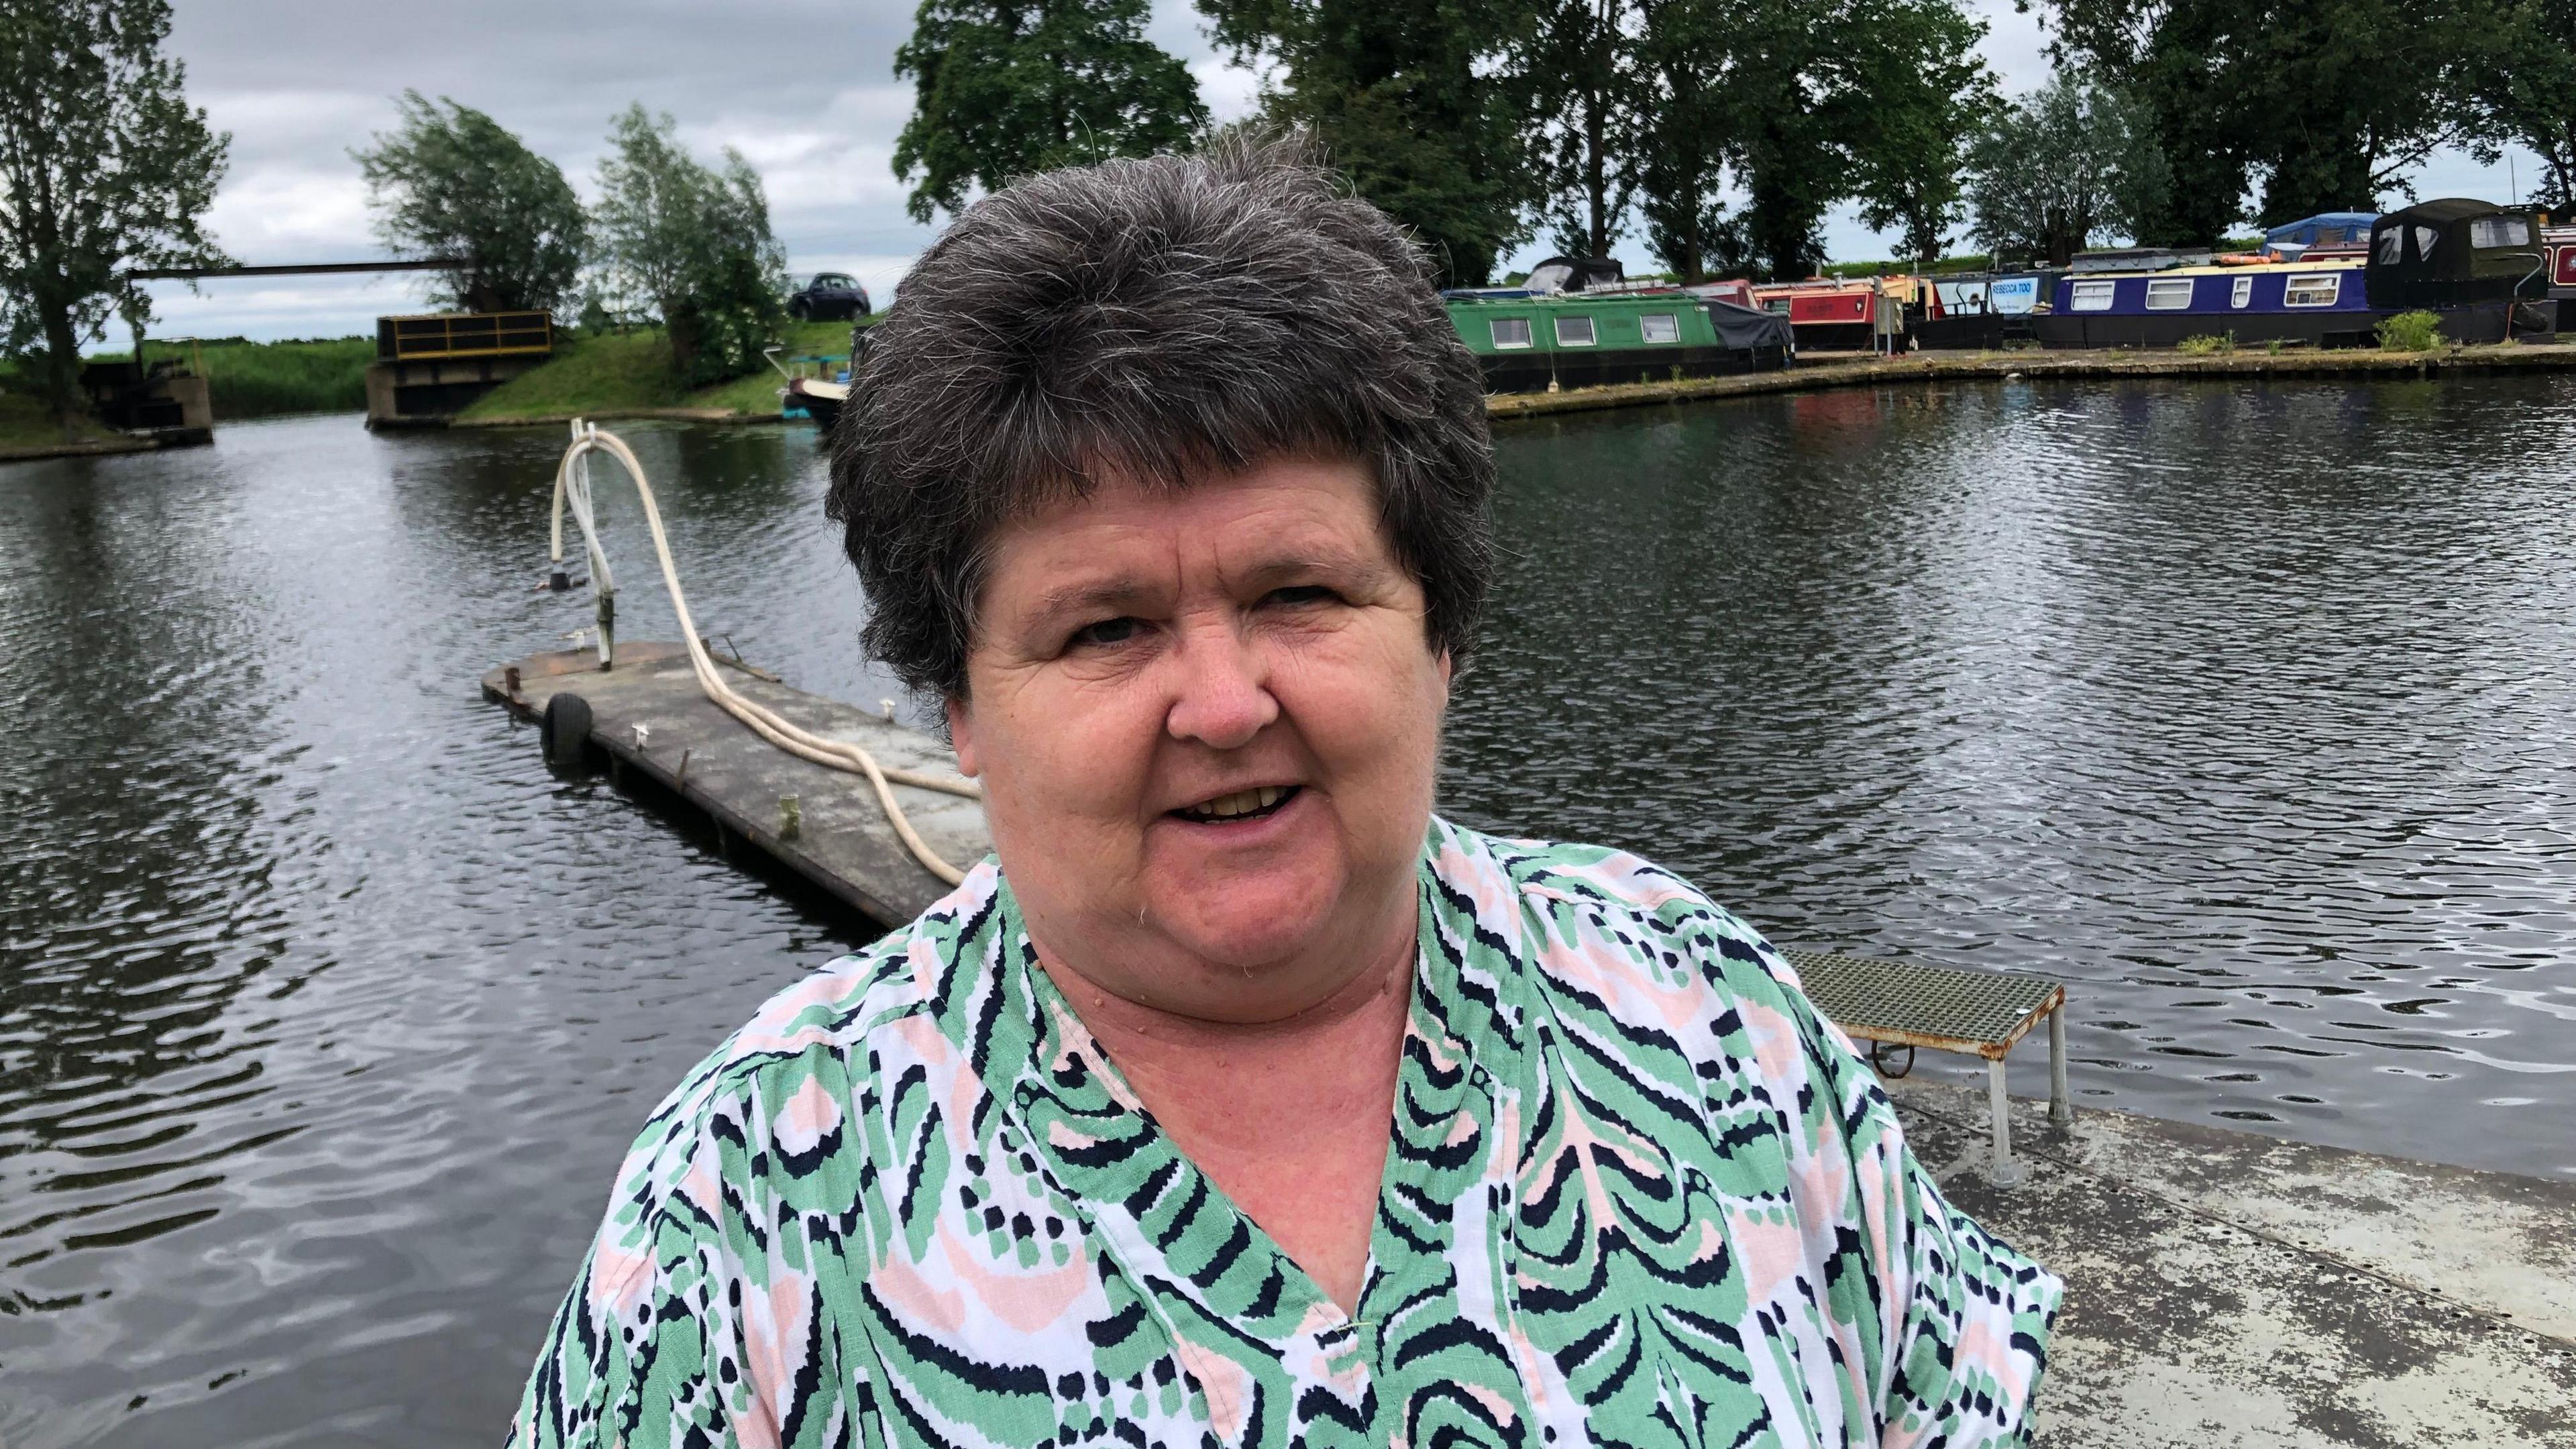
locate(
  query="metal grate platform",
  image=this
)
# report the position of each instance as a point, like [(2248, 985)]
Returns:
[(1951, 1009), (1912, 1004)]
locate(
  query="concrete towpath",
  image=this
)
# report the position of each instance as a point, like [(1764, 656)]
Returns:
[(2224, 1288)]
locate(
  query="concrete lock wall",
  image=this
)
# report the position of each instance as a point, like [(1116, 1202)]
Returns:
[(429, 391)]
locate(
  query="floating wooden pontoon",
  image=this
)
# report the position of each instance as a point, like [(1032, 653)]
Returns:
[(648, 715)]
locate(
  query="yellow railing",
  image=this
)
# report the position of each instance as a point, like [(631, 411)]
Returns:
[(463, 334)]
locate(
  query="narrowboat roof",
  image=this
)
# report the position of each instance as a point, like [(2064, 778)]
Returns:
[(1578, 301), (2448, 209), (2142, 259), (2339, 263)]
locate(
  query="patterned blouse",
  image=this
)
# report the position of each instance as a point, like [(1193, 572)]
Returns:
[(1638, 1193)]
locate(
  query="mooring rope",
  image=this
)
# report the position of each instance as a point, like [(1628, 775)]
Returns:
[(572, 486)]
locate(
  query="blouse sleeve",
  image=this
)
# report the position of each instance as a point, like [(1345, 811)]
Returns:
[(1964, 1367), (655, 1345), (1967, 1318)]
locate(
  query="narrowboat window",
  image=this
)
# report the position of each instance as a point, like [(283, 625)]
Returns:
[(1661, 326), (2168, 294), (2091, 297), (1574, 332), (2241, 292), (2392, 246), (1511, 332), (1777, 306), (2499, 231), (2425, 236), (2314, 289)]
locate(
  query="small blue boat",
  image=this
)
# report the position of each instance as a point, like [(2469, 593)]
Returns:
[(2326, 231)]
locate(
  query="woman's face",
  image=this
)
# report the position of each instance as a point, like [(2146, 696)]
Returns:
[(1207, 724)]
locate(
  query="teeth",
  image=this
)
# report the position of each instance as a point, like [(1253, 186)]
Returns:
[(1241, 802)]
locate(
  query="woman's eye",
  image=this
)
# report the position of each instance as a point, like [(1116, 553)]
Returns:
[(1107, 631)]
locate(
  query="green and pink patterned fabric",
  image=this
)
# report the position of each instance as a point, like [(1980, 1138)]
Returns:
[(1638, 1193)]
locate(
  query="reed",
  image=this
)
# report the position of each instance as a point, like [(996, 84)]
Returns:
[(246, 379)]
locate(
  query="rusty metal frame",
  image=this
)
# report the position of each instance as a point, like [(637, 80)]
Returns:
[(1893, 978)]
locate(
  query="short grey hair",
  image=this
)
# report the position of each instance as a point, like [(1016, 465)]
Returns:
[(1162, 321)]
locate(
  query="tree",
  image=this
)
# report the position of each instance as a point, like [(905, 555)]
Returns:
[(2328, 102), (1395, 92), (1798, 115), (1929, 94), (2172, 58), (105, 169), (453, 182), (1684, 136), (2353, 94), (1007, 88), (1579, 76), (691, 244), (2072, 158), (2527, 95)]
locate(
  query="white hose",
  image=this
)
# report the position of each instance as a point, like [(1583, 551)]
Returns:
[(572, 486)]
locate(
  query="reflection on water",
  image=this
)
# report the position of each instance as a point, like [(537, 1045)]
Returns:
[(325, 1011)]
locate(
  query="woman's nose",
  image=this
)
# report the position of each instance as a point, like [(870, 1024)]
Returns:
[(1224, 694)]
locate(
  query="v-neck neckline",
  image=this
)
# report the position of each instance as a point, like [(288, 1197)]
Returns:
[(1154, 1202)]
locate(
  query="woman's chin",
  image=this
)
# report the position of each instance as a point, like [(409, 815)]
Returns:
[(1247, 919), (1250, 926)]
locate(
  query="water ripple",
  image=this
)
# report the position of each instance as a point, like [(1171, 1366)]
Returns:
[(2223, 703)]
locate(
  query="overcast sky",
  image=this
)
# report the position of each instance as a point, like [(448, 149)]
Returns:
[(805, 88)]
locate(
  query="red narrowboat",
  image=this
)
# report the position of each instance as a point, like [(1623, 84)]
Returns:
[(1826, 315)]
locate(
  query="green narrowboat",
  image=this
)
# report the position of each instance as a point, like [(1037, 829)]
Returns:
[(1533, 342)]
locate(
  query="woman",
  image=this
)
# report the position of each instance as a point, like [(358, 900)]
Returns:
[(1239, 1099)]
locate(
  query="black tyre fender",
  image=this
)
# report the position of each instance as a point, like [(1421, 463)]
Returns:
[(800, 310), (863, 309), (564, 733)]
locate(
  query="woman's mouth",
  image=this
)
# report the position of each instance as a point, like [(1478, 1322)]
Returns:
[(1249, 804)]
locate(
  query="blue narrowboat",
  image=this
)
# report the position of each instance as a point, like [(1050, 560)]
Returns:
[(2324, 305), (2478, 265)]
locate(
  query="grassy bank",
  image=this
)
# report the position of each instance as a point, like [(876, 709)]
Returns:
[(628, 372), (26, 424)]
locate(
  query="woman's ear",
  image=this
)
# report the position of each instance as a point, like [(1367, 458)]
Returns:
[(1446, 664), (961, 733)]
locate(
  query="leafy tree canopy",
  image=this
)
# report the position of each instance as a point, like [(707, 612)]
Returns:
[(1684, 136), (1392, 91), (1006, 88), (2070, 160), (1929, 94), (1580, 76), (450, 181), (691, 244), (2326, 102), (104, 169), (2527, 94)]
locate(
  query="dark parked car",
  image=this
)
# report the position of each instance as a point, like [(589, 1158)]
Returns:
[(830, 295)]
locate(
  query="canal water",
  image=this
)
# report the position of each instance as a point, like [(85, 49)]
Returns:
[(325, 1012)]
